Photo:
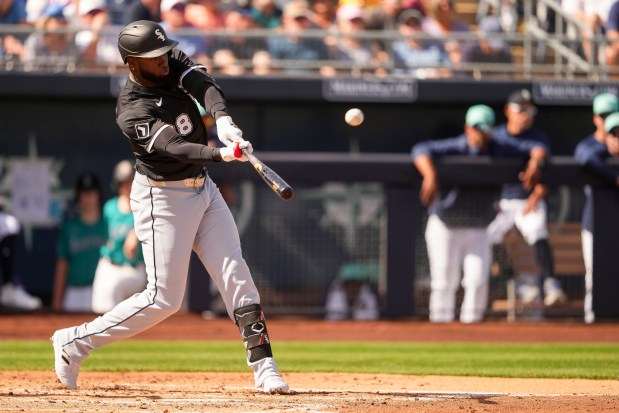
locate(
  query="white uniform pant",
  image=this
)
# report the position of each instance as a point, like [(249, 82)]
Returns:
[(587, 255), (452, 251), (532, 226), (170, 222), (115, 283), (77, 299)]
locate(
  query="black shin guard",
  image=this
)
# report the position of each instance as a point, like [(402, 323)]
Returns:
[(543, 255), (252, 326)]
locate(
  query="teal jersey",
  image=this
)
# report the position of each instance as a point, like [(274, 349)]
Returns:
[(118, 226), (79, 244)]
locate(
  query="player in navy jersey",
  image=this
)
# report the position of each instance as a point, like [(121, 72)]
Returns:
[(526, 208), (592, 153), (456, 232)]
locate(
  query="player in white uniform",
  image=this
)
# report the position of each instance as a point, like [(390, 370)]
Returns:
[(526, 209), (120, 270), (456, 235), (176, 206)]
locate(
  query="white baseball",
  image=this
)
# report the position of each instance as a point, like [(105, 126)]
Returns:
[(354, 117)]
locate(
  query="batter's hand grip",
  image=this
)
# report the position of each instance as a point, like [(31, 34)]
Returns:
[(237, 151)]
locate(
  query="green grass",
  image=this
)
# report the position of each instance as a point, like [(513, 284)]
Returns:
[(587, 361)]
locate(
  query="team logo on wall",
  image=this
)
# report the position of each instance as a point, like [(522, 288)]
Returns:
[(142, 130)]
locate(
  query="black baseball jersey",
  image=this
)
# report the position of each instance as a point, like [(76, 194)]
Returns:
[(147, 114)]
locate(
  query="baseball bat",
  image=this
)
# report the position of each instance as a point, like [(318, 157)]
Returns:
[(272, 179)]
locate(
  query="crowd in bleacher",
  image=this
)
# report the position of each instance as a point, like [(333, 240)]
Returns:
[(406, 37)]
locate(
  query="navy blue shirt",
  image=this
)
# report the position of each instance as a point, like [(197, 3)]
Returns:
[(592, 154), (516, 191), (612, 21), (456, 206)]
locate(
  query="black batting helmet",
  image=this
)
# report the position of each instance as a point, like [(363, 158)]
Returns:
[(144, 38)]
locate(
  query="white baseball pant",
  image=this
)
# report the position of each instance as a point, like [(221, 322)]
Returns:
[(170, 221), (449, 251), (532, 226), (587, 255), (115, 283)]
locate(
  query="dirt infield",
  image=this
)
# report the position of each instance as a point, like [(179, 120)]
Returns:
[(343, 393)]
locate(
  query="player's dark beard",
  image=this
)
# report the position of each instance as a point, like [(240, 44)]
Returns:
[(154, 78)]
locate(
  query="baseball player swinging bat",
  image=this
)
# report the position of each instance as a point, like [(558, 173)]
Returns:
[(272, 179)]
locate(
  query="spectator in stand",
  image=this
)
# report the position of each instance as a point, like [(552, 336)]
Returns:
[(96, 46), (173, 19), (363, 55), (488, 49), (266, 13), (242, 46), (12, 292), (205, 14), (289, 46), (612, 35), (442, 20), (226, 63), (121, 271), (418, 57), (384, 16), (35, 9), (48, 48), (456, 237), (142, 10), (593, 13), (82, 234), (116, 10), (12, 12), (323, 13), (592, 152), (261, 63), (525, 208)]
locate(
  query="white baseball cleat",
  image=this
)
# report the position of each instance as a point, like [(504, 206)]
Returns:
[(14, 296), (274, 385), (553, 294), (66, 368)]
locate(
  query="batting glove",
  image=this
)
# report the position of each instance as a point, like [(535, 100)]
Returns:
[(234, 152), (227, 131)]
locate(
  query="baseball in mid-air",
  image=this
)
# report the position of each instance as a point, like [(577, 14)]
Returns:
[(354, 117)]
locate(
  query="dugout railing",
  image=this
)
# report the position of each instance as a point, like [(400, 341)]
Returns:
[(289, 244)]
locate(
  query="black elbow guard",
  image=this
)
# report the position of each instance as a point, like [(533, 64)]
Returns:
[(196, 81)]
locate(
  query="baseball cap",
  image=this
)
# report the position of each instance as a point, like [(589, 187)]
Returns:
[(87, 181), (296, 8), (123, 171), (611, 122), (605, 103), (491, 25), (88, 6), (410, 14), (349, 12), (359, 271), (520, 96), (167, 5), (55, 11), (480, 117)]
